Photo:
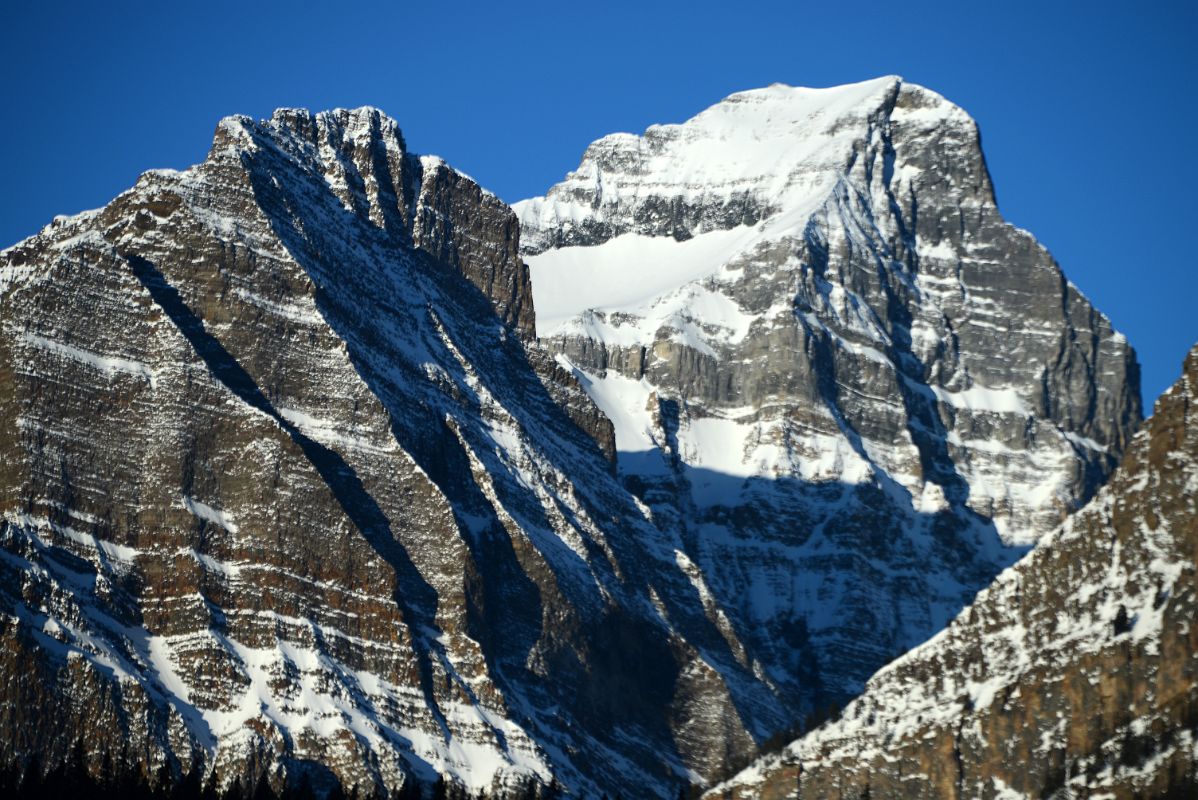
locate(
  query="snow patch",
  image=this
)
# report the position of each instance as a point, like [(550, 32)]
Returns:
[(109, 366), (210, 514)]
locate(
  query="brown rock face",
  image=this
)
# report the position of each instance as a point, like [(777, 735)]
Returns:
[(286, 487), (1074, 675), (471, 229)]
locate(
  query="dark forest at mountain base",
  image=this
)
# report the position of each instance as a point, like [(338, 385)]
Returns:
[(72, 779)]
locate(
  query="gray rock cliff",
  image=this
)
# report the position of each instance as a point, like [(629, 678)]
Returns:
[(857, 391)]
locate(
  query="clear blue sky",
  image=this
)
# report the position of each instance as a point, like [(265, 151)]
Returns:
[(1087, 110)]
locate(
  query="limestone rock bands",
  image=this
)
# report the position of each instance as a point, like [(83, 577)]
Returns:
[(855, 388)]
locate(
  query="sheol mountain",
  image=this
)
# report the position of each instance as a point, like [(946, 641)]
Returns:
[(317, 460)]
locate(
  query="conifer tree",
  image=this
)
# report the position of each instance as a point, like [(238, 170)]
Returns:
[(263, 791), (234, 791)]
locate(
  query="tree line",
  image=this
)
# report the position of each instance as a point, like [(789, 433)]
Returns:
[(72, 780)]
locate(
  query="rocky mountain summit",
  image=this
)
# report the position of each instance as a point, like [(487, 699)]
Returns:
[(284, 490), (857, 391), (310, 469), (1074, 675)]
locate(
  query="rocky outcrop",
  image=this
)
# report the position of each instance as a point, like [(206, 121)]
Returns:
[(463, 225), (830, 362), (285, 490), (1074, 675)]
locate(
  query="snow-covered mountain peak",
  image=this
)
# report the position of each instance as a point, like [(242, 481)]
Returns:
[(361, 156), (810, 325), (782, 111), (773, 152), (357, 122), (855, 212)]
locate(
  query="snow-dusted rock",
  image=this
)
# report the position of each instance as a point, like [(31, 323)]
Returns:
[(284, 488), (288, 483), (857, 391)]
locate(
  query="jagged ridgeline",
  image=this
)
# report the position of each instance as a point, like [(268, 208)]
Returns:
[(291, 490)]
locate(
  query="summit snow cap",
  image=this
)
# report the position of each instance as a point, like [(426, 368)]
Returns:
[(755, 154)]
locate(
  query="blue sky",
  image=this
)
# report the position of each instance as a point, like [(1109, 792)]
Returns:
[(1087, 110)]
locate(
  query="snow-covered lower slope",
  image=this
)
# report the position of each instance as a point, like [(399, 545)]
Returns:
[(1074, 675), (829, 362)]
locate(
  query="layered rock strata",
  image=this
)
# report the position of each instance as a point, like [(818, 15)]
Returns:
[(285, 490), (856, 390)]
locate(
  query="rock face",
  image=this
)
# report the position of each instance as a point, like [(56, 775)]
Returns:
[(1074, 675), (285, 489), (856, 391)]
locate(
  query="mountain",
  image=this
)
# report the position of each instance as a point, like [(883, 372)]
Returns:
[(1074, 675), (855, 389), (286, 490), (310, 469)]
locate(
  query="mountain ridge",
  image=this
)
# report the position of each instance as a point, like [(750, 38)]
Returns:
[(291, 487), (799, 290), (311, 299)]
